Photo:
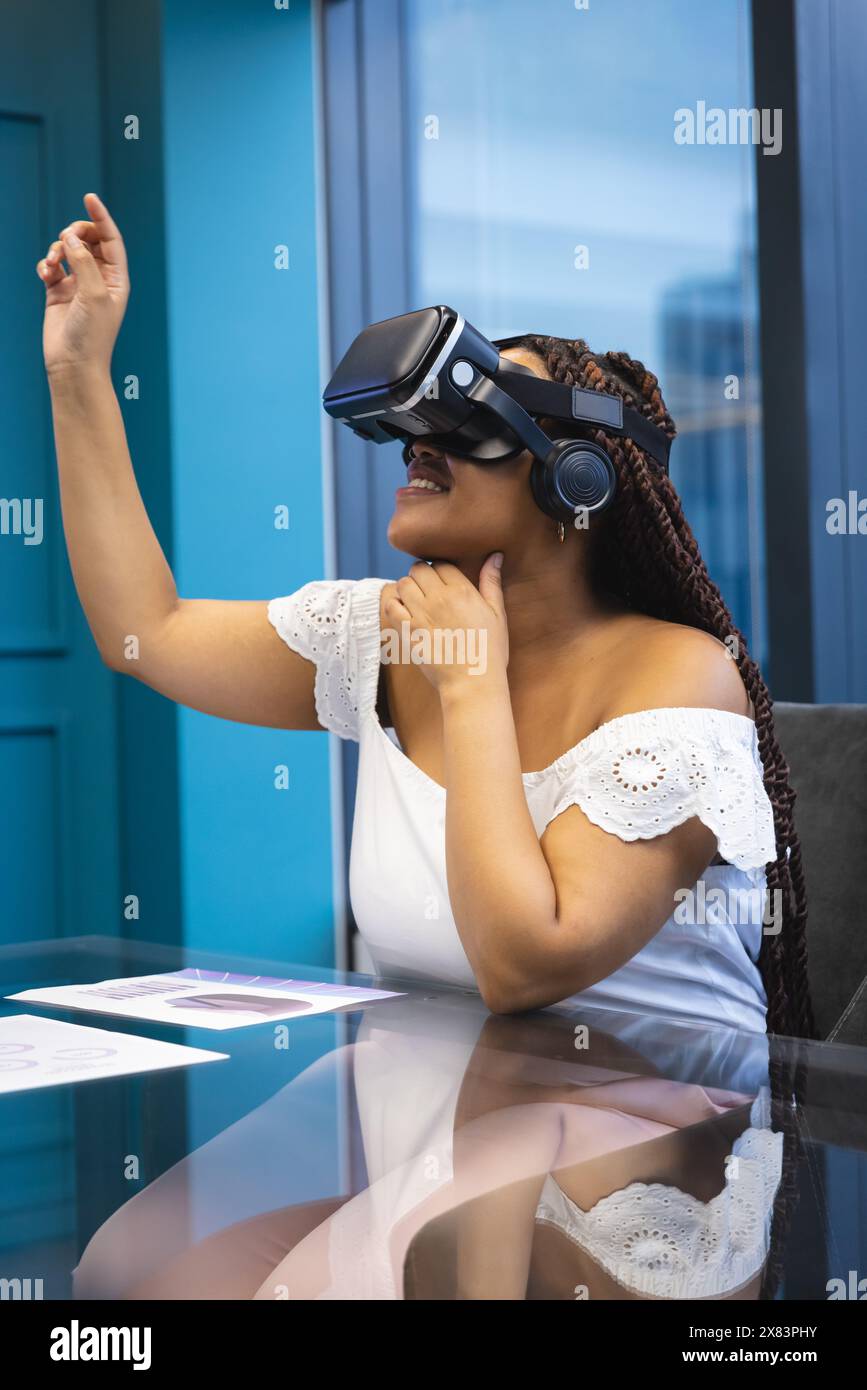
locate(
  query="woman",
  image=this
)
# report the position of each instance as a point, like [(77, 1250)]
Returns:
[(608, 666), (528, 826)]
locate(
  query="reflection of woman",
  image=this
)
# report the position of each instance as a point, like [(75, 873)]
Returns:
[(523, 829), (583, 1176), (658, 1188), (462, 1188)]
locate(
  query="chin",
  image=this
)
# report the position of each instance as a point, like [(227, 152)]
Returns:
[(413, 536), (415, 530)]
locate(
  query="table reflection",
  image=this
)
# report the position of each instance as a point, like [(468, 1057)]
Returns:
[(560, 1155)]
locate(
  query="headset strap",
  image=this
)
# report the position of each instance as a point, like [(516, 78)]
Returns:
[(560, 402)]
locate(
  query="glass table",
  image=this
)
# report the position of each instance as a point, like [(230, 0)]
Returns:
[(421, 1148)]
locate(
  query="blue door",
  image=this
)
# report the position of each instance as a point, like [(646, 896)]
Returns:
[(59, 838)]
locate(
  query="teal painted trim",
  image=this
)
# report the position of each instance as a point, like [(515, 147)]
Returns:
[(147, 750)]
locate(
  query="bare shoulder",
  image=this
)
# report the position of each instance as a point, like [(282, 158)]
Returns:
[(657, 665)]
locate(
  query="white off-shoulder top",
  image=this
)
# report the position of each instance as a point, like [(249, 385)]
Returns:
[(636, 776)]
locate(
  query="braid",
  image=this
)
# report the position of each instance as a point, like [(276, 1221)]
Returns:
[(647, 554), (787, 1073)]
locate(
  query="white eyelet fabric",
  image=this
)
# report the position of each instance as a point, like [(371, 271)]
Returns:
[(335, 624), (637, 776), (653, 1239), (660, 1242), (643, 774)]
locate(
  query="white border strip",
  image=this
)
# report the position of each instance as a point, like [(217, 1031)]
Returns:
[(329, 542), (329, 519)]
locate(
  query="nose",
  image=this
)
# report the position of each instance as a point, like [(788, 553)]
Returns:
[(424, 449)]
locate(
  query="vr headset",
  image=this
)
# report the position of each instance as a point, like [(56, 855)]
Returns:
[(430, 375)]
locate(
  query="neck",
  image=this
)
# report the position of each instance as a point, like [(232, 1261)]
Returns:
[(548, 596)]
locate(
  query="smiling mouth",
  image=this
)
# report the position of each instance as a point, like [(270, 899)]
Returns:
[(424, 485), (422, 476)]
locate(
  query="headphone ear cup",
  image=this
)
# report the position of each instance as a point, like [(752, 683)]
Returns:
[(540, 485), (576, 475)]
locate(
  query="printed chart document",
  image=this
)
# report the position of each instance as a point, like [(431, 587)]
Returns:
[(42, 1052), (205, 998)]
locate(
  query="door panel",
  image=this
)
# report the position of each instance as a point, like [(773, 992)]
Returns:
[(59, 839), (57, 715)]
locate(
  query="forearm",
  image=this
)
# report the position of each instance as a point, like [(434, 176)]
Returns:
[(500, 888), (123, 580), (494, 1241)]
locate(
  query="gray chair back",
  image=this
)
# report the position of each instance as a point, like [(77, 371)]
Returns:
[(826, 749)]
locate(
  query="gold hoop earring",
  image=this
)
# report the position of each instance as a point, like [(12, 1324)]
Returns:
[(561, 531)]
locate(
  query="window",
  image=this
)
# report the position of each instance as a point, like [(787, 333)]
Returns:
[(545, 192)]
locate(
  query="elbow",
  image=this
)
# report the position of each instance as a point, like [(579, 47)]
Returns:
[(109, 658), (118, 659), (504, 994), (121, 652), (500, 1003), (494, 1000), (506, 1000), (510, 990)]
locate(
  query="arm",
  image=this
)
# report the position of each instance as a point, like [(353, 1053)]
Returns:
[(539, 920), (548, 917), (220, 657)]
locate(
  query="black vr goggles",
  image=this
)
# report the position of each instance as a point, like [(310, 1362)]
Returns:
[(430, 375)]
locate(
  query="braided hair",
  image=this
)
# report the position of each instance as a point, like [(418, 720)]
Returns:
[(645, 553)]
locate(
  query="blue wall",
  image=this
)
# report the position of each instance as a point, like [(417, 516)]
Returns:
[(239, 142)]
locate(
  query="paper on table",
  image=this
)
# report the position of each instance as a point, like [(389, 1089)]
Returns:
[(44, 1052), (205, 998)]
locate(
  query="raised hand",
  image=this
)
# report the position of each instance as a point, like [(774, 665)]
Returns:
[(84, 306)]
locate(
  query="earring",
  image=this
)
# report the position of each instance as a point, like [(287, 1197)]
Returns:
[(561, 531)]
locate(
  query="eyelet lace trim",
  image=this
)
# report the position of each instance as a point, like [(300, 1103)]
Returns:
[(335, 624), (651, 1238), (643, 774), (659, 1241), (638, 776)]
